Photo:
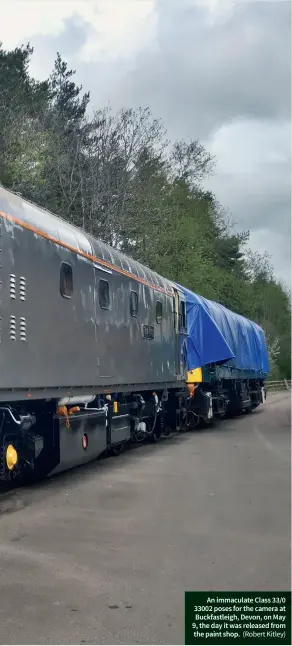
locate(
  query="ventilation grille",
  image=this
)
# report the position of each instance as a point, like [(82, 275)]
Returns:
[(12, 328), (12, 286), (22, 328), (22, 288)]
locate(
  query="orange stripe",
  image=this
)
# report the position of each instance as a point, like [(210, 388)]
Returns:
[(29, 227)]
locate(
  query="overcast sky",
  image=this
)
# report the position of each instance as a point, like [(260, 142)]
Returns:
[(217, 70)]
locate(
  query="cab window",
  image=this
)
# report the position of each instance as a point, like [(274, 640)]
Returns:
[(104, 294), (159, 312), (182, 316), (66, 280), (134, 304)]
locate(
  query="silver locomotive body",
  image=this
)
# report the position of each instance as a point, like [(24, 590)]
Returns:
[(77, 319), (76, 314)]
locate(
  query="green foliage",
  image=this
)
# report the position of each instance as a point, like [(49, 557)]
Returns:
[(22, 101), (118, 177)]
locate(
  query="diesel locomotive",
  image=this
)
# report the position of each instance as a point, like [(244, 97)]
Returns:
[(97, 350)]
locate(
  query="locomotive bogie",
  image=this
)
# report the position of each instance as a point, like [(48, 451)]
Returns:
[(52, 438)]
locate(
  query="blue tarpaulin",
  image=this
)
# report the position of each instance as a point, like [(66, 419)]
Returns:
[(215, 334)]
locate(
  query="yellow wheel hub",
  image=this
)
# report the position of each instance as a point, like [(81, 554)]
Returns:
[(11, 457)]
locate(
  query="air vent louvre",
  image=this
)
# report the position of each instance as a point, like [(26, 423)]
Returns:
[(12, 328), (22, 328), (12, 286), (22, 288)]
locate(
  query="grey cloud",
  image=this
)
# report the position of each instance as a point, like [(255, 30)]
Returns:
[(199, 76), (68, 43), (194, 75), (72, 38), (261, 205), (258, 198)]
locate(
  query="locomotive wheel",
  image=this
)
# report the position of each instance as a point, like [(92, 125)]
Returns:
[(206, 423), (156, 435), (139, 437), (190, 421), (184, 422), (118, 449)]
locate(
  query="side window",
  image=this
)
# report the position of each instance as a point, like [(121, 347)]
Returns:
[(66, 280), (134, 304), (183, 322), (104, 295), (158, 311)]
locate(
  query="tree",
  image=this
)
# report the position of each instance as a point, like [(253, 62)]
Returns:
[(190, 162), (68, 106), (22, 103)]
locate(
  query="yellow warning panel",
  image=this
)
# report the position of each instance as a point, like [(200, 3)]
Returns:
[(194, 376)]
